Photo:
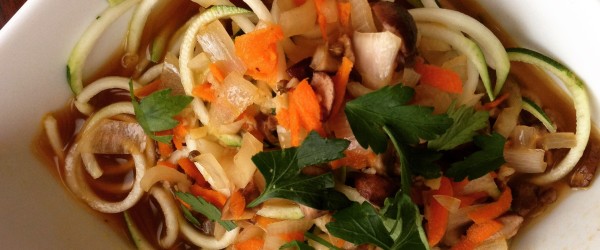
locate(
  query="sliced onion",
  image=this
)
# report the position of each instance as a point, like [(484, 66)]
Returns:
[(203, 241), (482, 184), (410, 77), (92, 89), (362, 21), (357, 90), (507, 120), (525, 136), (274, 230), (213, 172), (91, 165), (233, 97), (51, 128), (375, 56), (526, 160), (150, 74), (205, 146), (217, 43), (298, 20), (448, 202), (559, 140), (350, 192), (161, 173), (170, 212), (245, 167)]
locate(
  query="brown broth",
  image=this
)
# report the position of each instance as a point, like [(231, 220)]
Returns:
[(69, 119)]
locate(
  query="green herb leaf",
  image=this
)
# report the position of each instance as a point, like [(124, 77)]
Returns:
[(403, 220), (467, 121), (368, 115), (155, 112), (282, 172), (488, 159), (211, 212), (421, 161), (315, 150), (189, 217), (296, 245), (360, 224), (320, 240)]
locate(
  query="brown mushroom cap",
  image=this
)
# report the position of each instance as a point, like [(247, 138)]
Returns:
[(394, 18)]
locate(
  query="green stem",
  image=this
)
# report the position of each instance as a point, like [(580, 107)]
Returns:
[(320, 240), (405, 175)]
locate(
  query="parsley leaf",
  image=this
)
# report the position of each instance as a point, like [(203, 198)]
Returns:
[(421, 161), (396, 226), (387, 106), (202, 206), (360, 224), (467, 121), (282, 171), (155, 112), (488, 159)]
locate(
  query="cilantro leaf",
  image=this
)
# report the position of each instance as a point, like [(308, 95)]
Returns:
[(316, 150), (360, 224), (488, 159), (282, 172), (387, 106), (202, 206), (296, 245), (155, 112), (467, 121)]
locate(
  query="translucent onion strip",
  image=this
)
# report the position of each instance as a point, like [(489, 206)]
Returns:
[(162, 173), (91, 90), (259, 8), (136, 27), (170, 212), (188, 45), (150, 74), (204, 241), (51, 128), (87, 41), (91, 165), (495, 53)]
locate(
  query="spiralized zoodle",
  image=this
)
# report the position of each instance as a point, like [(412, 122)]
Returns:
[(322, 124)]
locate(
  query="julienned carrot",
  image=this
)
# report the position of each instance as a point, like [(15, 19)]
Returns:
[(438, 77), (147, 89), (492, 210), (237, 204), (263, 222), (258, 51), (477, 234), (304, 99), (356, 158), (255, 243), (470, 199), (212, 196), (205, 92), (190, 169), (321, 19), (179, 133), (344, 8), (216, 72), (498, 101), (340, 80), (165, 149), (437, 218), (287, 237)]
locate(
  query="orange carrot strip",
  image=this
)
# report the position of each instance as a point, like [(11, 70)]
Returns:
[(356, 158), (437, 218), (212, 196), (263, 222), (438, 77), (147, 89), (179, 133), (477, 234), (299, 2), (258, 51), (340, 80), (164, 149), (294, 125), (255, 243), (470, 199), (205, 92), (344, 9), (492, 210), (287, 237), (237, 204), (305, 100), (190, 169), (216, 72), (321, 19), (498, 101)]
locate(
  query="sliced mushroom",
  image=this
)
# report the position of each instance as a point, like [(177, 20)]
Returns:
[(111, 137), (585, 170), (323, 85), (169, 77), (343, 47), (393, 17), (322, 60)]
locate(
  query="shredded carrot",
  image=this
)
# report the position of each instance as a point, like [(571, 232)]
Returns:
[(263, 222), (477, 234), (344, 9), (205, 92), (438, 77), (355, 158), (165, 149), (237, 204), (437, 217), (190, 169), (147, 89), (497, 102), (459, 186), (304, 99), (255, 243), (340, 80), (321, 19), (294, 124), (492, 210), (216, 72), (179, 133), (212, 196), (258, 51), (167, 164), (287, 237), (470, 199)]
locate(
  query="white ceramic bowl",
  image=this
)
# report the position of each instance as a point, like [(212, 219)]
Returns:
[(38, 213)]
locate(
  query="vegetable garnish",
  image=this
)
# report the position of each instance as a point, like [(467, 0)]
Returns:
[(488, 159), (155, 112), (202, 206), (396, 226), (282, 171), (467, 122)]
